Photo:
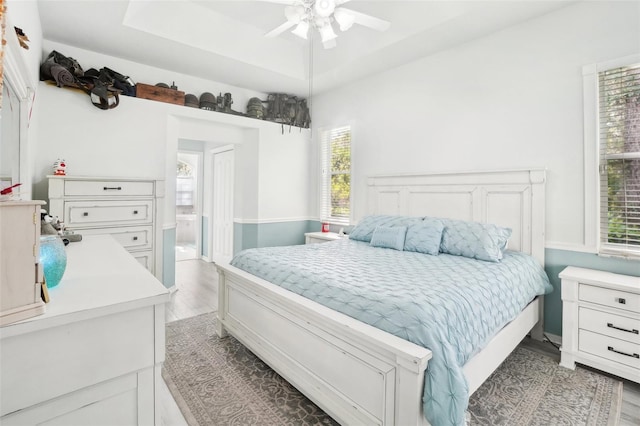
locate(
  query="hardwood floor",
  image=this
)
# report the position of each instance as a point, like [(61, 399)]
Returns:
[(197, 293), (197, 283), (197, 290)]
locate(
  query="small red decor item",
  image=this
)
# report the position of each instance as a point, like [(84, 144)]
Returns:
[(59, 167), (325, 227)]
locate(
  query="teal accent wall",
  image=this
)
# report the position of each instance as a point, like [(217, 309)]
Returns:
[(169, 257), (204, 236), (251, 235), (556, 260)]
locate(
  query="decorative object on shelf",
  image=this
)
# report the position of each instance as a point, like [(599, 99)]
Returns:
[(66, 71), (161, 94), (208, 101), (288, 109), (59, 167), (255, 108), (226, 101), (321, 14), (53, 258), (22, 38), (191, 100)]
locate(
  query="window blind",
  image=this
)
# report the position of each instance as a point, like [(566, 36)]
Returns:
[(619, 133), (335, 152)]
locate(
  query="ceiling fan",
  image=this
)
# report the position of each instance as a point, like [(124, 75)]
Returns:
[(321, 14)]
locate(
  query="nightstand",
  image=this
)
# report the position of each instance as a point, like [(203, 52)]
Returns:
[(321, 237), (601, 321)]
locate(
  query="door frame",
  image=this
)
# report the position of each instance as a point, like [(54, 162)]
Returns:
[(213, 152), (200, 195)]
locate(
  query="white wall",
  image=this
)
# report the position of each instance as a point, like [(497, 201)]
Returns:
[(509, 100)]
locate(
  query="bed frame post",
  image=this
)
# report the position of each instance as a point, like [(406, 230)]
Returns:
[(222, 304)]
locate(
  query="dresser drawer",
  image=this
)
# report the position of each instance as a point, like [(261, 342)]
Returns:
[(609, 297), (617, 326), (144, 258), (617, 350), (94, 213), (130, 237), (106, 188)]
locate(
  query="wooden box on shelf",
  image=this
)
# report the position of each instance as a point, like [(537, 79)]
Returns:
[(162, 94), (20, 272)]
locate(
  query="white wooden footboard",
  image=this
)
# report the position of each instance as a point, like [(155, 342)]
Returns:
[(356, 373)]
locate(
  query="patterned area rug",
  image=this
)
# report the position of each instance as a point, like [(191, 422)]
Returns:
[(220, 382)]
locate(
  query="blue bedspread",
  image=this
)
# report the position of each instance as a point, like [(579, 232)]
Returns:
[(451, 305)]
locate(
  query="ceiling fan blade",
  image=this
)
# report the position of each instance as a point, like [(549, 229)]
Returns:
[(279, 30), (339, 2), (368, 20)]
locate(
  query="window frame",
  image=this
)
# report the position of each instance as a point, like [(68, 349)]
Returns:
[(592, 193), (325, 181)]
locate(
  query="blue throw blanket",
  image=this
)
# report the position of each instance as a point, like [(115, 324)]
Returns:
[(451, 305)]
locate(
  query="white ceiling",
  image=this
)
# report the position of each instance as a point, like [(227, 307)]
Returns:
[(223, 40)]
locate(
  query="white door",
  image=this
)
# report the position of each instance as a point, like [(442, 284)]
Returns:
[(222, 218)]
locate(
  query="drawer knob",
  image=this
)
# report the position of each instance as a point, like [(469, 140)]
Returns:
[(135, 212), (610, 348), (112, 188), (85, 214), (634, 331), (135, 238), (621, 301)]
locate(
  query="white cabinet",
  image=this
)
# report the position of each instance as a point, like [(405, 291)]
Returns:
[(125, 208), (321, 237), (95, 356), (601, 321)]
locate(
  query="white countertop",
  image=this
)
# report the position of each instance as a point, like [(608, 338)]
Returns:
[(101, 278)]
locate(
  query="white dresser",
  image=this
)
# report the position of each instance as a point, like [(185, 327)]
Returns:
[(95, 356), (126, 208), (601, 321)]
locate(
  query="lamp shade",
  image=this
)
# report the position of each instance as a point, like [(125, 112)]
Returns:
[(344, 19), (302, 29), (294, 14), (327, 33)]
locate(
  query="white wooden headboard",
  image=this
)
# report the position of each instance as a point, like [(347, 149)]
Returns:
[(513, 198)]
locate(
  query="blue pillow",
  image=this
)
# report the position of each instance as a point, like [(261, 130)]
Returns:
[(363, 231), (424, 237), (388, 237), (483, 241)]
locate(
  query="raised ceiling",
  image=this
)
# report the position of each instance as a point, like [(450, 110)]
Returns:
[(223, 40)]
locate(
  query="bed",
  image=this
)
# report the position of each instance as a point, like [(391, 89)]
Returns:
[(360, 374)]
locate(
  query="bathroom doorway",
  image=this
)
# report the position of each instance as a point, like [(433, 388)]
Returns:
[(188, 206)]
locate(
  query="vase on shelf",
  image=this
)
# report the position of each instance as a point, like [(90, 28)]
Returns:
[(53, 258)]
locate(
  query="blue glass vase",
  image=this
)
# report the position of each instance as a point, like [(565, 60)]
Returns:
[(53, 258)]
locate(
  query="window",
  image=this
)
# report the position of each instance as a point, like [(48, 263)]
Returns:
[(335, 153), (184, 185), (619, 159)]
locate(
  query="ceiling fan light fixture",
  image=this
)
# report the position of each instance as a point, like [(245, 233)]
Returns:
[(324, 8), (344, 19), (294, 14), (302, 29), (327, 33)]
